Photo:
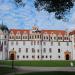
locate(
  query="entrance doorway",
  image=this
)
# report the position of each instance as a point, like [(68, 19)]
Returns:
[(67, 57), (12, 56)]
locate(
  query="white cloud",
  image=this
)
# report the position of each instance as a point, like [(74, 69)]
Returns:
[(26, 17)]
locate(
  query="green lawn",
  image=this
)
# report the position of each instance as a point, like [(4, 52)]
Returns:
[(49, 73), (5, 70), (39, 63)]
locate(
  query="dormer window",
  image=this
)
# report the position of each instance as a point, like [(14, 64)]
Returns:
[(25, 37), (37, 36), (59, 38), (17, 37), (46, 37), (54, 37), (30, 36), (11, 37), (51, 37), (65, 38)]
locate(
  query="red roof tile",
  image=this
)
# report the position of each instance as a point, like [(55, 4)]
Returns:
[(62, 32)]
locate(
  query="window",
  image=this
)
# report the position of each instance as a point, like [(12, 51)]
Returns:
[(37, 42), (42, 56), (17, 56), (58, 43), (67, 43), (27, 56), (38, 50), (51, 37), (31, 42), (50, 56), (44, 43), (46, 56), (44, 50), (58, 50), (23, 56), (19, 50), (12, 42), (46, 37), (30, 36), (26, 50), (16, 37), (34, 42), (10, 37), (59, 57), (35, 36), (33, 50), (65, 38), (23, 37), (16, 42), (38, 57), (50, 50), (59, 38), (54, 38), (33, 56), (51, 43), (38, 36), (23, 42), (4, 42), (5, 36)]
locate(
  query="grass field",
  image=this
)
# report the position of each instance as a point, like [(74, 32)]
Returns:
[(5, 70), (39, 63), (49, 73)]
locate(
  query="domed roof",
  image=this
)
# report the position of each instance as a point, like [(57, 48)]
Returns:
[(4, 27)]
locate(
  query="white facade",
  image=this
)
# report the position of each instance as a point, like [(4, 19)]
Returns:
[(3, 45), (38, 44)]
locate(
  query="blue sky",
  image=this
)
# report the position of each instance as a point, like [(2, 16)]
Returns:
[(26, 17)]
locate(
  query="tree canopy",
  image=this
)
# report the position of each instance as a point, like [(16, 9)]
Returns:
[(59, 7)]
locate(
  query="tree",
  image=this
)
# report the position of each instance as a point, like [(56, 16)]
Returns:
[(19, 3), (59, 7)]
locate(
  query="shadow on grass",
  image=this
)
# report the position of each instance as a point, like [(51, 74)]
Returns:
[(49, 73), (6, 70)]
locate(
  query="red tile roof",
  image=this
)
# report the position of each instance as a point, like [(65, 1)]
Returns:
[(21, 31), (62, 32), (72, 32), (57, 32)]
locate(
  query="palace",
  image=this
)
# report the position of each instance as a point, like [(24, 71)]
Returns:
[(36, 44)]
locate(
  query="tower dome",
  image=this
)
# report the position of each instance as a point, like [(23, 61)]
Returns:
[(3, 27)]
